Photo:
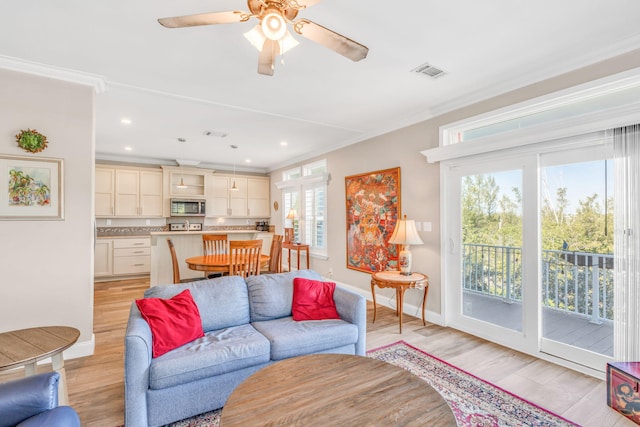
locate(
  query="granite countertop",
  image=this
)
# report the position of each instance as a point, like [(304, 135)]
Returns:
[(132, 232)]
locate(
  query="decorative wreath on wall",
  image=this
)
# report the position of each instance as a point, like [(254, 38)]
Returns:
[(31, 140)]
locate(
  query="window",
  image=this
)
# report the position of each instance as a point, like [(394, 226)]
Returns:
[(304, 189)]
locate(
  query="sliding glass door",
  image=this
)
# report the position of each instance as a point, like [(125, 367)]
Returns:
[(529, 251), (576, 229)]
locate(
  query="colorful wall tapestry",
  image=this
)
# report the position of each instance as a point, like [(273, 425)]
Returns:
[(373, 207)]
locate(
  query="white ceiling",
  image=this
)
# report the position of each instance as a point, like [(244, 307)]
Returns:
[(178, 83)]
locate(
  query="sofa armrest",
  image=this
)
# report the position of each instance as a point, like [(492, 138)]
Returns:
[(352, 308), (137, 359), (23, 398)]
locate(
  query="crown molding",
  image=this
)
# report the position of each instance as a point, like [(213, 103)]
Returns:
[(20, 65)]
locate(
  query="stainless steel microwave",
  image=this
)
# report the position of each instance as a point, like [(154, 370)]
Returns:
[(186, 207)]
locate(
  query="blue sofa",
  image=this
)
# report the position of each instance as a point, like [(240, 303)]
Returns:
[(33, 401), (247, 325)]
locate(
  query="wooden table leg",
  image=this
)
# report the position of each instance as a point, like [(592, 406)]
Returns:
[(400, 298), (308, 265), (424, 302), (58, 366), (373, 293), (298, 254)]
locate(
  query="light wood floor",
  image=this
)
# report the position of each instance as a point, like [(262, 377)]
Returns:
[(96, 388)]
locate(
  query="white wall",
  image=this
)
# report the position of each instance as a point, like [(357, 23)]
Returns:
[(46, 267), (420, 181)]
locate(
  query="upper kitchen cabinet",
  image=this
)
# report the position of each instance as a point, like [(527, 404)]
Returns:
[(105, 192), (187, 184), (138, 193), (258, 197), (249, 197), (128, 192)]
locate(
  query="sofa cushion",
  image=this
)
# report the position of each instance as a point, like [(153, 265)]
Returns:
[(173, 322), (313, 300), (223, 302), (289, 338), (271, 295), (216, 353)]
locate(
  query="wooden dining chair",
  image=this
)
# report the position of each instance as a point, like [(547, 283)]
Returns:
[(213, 244), (176, 267), (275, 256), (244, 257)]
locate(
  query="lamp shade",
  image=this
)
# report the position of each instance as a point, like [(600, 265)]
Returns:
[(292, 214), (405, 233)]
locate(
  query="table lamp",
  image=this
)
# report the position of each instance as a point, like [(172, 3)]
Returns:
[(405, 234), (288, 231)]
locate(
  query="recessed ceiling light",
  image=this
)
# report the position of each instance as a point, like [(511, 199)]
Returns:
[(247, 161), (181, 140), (128, 149), (284, 143), (215, 133), (125, 121)]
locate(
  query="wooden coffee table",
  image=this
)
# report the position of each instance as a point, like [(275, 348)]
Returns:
[(335, 389), (26, 347)]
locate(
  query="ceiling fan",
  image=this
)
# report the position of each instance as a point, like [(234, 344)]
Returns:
[(271, 36)]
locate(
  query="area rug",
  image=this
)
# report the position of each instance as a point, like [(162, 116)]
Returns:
[(474, 402)]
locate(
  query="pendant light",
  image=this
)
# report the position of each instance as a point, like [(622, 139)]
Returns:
[(234, 187)]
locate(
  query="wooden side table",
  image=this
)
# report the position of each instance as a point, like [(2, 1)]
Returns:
[(26, 347), (393, 279), (296, 247)]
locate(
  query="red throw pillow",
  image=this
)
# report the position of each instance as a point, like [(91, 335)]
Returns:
[(313, 300), (173, 322)]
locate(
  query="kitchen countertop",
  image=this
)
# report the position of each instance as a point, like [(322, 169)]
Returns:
[(201, 232)]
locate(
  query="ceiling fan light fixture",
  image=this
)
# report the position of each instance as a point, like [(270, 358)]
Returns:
[(287, 42), (273, 24), (256, 37)]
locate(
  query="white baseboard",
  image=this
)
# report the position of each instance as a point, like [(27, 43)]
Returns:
[(410, 309)]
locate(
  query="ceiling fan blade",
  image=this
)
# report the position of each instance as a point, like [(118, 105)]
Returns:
[(334, 41), (267, 59), (205, 19)]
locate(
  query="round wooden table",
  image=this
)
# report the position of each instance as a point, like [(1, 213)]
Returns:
[(26, 347), (400, 282), (215, 263), (336, 390)]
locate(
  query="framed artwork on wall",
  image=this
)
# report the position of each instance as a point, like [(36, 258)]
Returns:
[(32, 188), (373, 207)]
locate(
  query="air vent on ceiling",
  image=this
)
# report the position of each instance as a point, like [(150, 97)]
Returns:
[(429, 71)]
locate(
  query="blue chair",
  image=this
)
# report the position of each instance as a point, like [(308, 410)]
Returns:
[(33, 401)]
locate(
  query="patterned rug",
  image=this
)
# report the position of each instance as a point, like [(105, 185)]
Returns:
[(474, 402)]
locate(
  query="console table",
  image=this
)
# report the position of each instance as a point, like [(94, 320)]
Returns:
[(400, 282), (26, 347)]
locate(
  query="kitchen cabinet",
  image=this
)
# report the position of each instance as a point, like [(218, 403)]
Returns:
[(132, 256), (138, 192), (190, 185), (251, 199), (122, 256), (258, 190), (128, 192), (104, 192), (103, 258)]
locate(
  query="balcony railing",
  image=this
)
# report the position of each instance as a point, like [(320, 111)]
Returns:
[(573, 282)]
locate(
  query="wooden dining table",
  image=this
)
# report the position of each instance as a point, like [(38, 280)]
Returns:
[(218, 263)]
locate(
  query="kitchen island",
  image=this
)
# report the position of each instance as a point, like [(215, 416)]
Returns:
[(189, 244)]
